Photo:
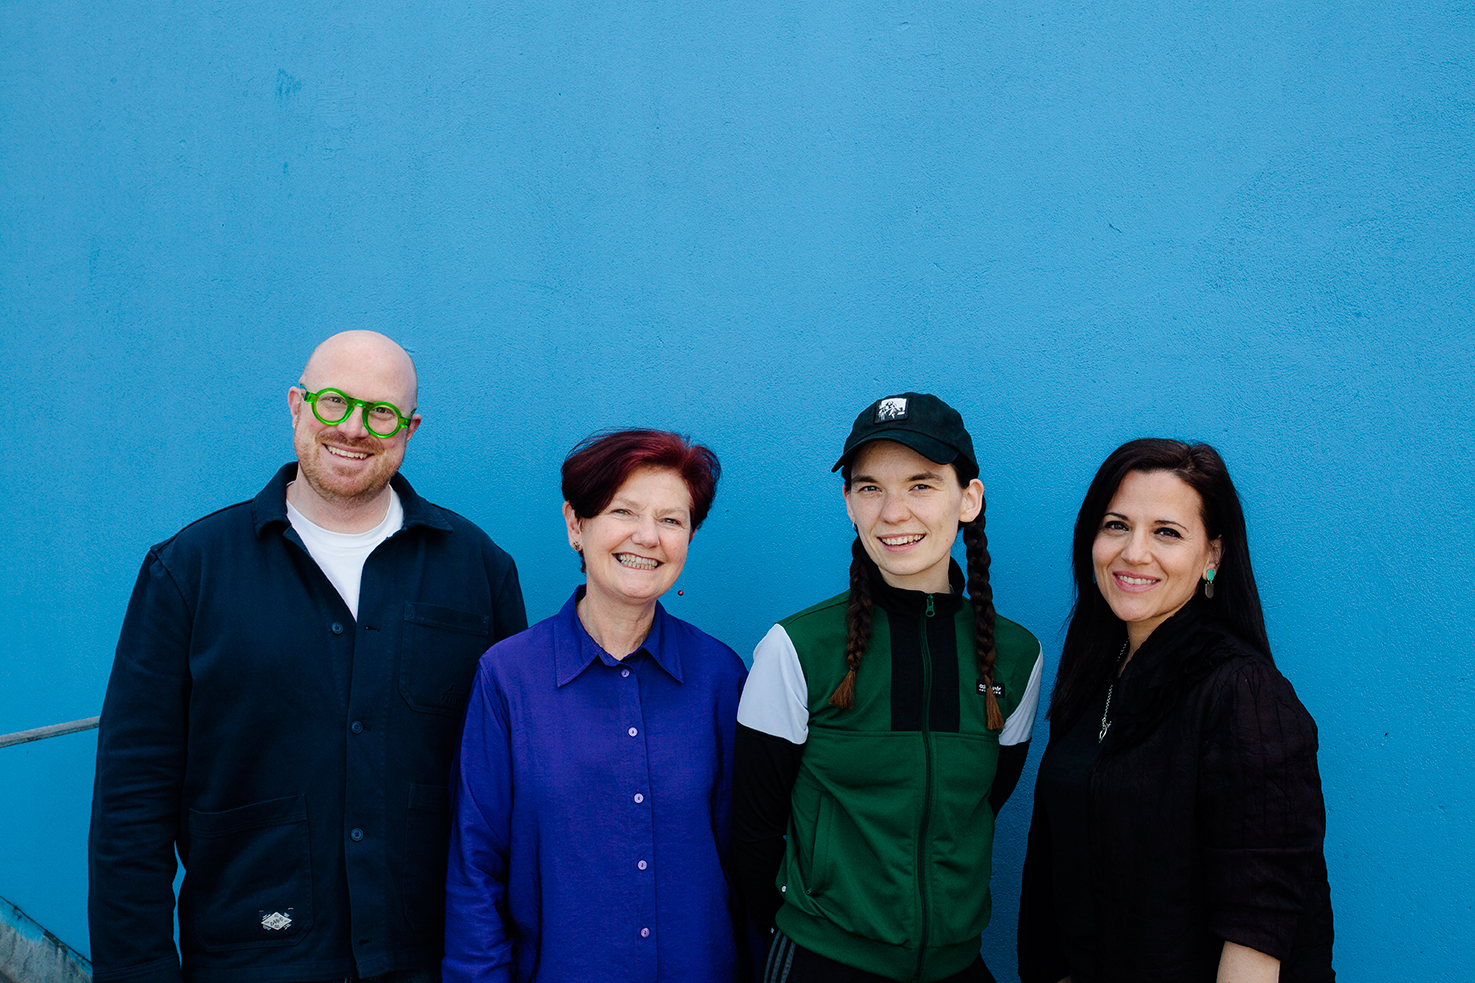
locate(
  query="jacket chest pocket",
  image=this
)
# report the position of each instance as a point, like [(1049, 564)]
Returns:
[(438, 654)]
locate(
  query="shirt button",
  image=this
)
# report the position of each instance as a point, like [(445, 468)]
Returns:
[(641, 865), (632, 732), (624, 672), (337, 628), (639, 798), (357, 727), (355, 834), (645, 933)]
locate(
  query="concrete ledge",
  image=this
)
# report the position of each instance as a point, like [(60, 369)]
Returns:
[(30, 954)]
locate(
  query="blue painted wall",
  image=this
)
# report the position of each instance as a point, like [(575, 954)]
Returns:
[(1080, 222)]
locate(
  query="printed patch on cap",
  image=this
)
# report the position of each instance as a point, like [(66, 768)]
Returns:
[(998, 689), (276, 921), (894, 408)]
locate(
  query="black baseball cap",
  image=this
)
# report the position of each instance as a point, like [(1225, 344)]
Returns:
[(922, 422)]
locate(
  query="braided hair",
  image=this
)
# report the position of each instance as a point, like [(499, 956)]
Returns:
[(858, 615), (857, 625), (981, 596)]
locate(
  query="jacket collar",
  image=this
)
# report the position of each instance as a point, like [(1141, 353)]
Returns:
[(912, 603), (270, 506), (574, 649)]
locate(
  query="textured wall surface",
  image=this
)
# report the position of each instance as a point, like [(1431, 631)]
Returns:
[(1079, 222), (30, 954)]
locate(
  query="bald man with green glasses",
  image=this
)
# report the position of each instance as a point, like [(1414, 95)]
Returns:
[(284, 703)]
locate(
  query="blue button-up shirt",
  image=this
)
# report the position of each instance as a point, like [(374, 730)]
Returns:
[(590, 810)]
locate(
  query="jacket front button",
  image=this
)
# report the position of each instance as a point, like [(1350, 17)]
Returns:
[(357, 726), (336, 628), (356, 834)]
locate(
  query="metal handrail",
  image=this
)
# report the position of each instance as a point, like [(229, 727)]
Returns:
[(41, 733)]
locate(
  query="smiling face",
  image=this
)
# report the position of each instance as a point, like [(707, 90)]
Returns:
[(344, 465), (635, 547), (907, 510), (1151, 550)]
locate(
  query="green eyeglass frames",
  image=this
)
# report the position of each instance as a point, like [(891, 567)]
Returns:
[(332, 406)]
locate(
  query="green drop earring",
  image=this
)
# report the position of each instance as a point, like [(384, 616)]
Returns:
[(1209, 582)]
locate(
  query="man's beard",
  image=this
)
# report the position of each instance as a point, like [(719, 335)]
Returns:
[(344, 489)]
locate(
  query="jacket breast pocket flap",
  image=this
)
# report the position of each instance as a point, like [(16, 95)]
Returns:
[(438, 656), (249, 876)]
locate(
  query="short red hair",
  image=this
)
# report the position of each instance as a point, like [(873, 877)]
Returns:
[(596, 468)]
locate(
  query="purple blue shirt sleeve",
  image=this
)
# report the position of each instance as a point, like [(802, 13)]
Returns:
[(591, 810)]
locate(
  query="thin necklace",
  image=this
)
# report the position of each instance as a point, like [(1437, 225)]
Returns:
[(1105, 722)]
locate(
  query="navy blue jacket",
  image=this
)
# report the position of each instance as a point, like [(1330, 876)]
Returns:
[(295, 759)]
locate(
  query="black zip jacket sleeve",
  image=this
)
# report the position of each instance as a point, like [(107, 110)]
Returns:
[(1006, 773), (764, 770)]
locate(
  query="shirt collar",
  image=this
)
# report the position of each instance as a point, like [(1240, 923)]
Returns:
[(270, 506), (574, 649)]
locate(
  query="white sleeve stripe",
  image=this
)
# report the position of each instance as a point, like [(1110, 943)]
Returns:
[(776, 696), (1021, 723)]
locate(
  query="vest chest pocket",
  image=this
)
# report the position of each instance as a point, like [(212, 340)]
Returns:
[(438, 656)]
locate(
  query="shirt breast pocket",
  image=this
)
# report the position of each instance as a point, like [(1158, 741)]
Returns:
[(438, 654)]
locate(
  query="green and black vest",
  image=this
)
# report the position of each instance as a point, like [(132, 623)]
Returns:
[(890, 839)]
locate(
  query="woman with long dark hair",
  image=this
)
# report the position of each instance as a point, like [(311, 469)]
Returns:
[(1178, 819), (881, 730)]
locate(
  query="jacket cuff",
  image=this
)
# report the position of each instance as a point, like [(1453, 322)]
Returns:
[(164, 970), (1270, 932)]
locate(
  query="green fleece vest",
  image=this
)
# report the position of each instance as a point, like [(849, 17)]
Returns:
[(891, 835)]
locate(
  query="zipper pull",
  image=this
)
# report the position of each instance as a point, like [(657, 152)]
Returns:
[(929, 605)]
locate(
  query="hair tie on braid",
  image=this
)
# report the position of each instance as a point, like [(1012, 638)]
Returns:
[(857, 626), (981, 594)]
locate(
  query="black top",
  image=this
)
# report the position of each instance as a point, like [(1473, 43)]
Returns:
[(1204, 821), (1063, 787)]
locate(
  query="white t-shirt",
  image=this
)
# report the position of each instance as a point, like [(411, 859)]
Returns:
[(341, 555)]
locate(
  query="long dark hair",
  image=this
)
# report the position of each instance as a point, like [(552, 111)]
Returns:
[(1094, 639), (858, 616)]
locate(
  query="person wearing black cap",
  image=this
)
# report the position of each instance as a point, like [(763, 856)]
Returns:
[(881, 731)]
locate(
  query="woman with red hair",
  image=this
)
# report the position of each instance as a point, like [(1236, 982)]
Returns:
[(590, 810)]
